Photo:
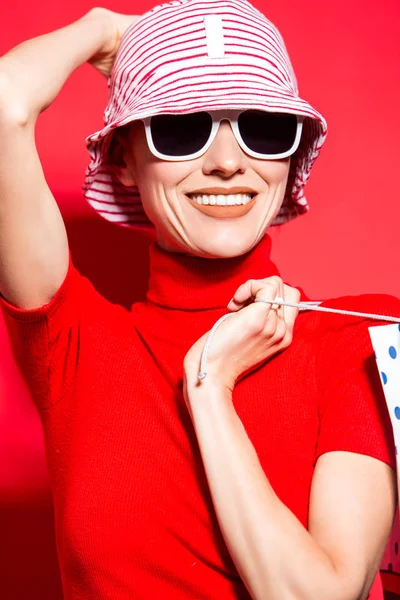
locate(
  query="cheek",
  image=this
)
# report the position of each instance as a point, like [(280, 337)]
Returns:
[(161, 177), (152, 174), (275, 172)]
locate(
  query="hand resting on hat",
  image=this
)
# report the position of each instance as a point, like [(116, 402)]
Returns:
[(116, 24)]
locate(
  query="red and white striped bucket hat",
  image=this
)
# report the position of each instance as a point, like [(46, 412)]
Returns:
[(168, 62)]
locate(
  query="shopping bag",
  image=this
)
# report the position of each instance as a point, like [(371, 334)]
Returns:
[(386, 343)]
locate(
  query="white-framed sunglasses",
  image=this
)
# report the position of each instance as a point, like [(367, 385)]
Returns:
[(261, 134)]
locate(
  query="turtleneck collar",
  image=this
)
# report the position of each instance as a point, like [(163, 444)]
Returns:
[(187, 282)]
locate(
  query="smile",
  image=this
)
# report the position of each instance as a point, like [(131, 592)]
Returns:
[(223, 205), (221, 199)]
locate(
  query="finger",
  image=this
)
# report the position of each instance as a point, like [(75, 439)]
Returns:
[(292, 296), (240, 297), (279, 308), (260, 314), (278, 293), (275, 325), (248, 291)]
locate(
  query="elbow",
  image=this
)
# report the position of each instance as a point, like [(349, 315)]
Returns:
[(12, 109), (354, 582), (338, 585)]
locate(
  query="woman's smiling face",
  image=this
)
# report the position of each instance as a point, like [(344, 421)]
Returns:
[(173, 194)]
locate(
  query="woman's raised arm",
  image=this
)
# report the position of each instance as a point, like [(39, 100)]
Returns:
[(33, 240)]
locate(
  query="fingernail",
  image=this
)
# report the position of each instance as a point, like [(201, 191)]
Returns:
[(233, 304)]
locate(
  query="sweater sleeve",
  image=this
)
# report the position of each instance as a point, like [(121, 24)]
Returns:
[(46, 340), (353, 412)]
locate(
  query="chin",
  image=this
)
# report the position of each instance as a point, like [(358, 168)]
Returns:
[(224, 240), (215, 248)]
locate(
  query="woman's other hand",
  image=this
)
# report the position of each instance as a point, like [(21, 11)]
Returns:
[(115, 26), (242, 343)]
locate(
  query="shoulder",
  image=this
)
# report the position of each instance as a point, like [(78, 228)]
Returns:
[(370, 307), (76, 303), (384, 304), (343, 344), (340, 341), (316, 325), (352, 403)]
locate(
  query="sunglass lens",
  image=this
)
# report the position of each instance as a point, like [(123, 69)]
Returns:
[(180, 135), (266, 132)]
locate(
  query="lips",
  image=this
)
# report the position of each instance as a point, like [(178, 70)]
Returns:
[(223, 212), (214, 191)]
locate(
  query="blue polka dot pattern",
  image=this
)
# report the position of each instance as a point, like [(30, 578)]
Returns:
[(384, 378), (392, 352), (397, 412)]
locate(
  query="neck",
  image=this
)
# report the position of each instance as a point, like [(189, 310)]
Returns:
[(190, 282)]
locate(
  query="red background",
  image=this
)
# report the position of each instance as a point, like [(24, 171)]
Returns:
[(346, 57)]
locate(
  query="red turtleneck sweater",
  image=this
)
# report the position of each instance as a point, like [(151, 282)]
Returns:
[(133, 512)]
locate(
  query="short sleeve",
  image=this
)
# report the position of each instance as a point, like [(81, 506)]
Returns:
[(353, 412), (46, 341)]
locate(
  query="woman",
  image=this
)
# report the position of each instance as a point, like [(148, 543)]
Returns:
[(255, 481)]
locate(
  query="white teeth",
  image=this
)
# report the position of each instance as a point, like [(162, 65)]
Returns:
[(221, 199)]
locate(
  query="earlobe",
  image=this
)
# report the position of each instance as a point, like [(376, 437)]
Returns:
[(121, 169), (124, 175)]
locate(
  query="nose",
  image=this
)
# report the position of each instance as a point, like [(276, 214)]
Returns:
[(224, 157)]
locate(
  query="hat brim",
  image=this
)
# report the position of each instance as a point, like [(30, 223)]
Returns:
[(265, 98), (122, 205)]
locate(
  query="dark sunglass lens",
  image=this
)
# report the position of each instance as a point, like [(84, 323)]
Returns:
[(180, 135), (267, 133)]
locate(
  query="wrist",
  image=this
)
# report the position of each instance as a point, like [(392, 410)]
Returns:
[(103, 29), (209, 402), (207, 389), (212, 379), (33, 73)]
